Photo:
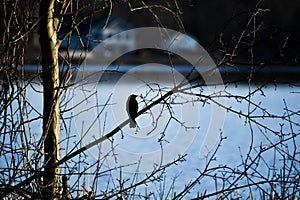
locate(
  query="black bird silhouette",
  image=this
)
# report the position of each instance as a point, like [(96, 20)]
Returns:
[(132, 109)]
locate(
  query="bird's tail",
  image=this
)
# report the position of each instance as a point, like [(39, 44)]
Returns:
[(132, 123)]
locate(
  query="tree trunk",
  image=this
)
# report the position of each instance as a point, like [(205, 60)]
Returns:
[(51, 112)]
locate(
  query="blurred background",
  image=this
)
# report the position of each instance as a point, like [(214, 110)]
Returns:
[(267, 31)]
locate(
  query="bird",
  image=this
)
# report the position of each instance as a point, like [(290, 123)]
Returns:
[(132, 109)]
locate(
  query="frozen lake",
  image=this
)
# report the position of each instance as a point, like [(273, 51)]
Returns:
[(191, 122)]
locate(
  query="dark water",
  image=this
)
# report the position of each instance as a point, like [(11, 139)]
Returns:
[(239, 73)]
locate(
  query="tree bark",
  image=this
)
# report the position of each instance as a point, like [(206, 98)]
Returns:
[(51, 113)]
